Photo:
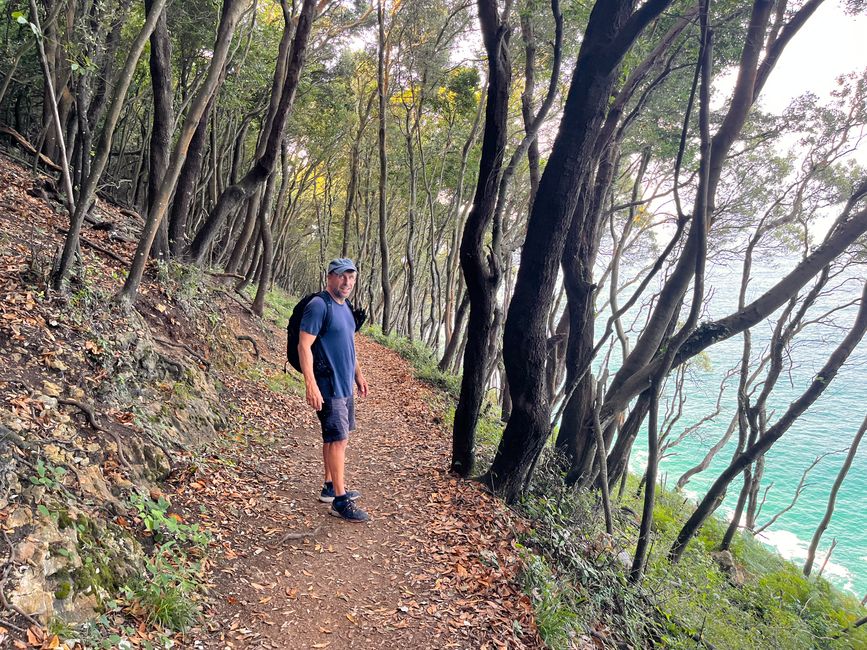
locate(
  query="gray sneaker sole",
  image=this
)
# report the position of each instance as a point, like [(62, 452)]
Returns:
[(334, 513), (331, 499)]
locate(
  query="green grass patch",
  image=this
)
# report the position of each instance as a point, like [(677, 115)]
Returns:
[(553, 602), (278, 304)]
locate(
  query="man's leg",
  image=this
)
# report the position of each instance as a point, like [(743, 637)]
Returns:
[(325, 462), (335, 459)]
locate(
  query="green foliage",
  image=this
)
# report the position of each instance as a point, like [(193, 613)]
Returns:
[(48, 476), (286, 382), (60, 627), (553, 602), (278, 305), (165, 594), (183, 282), (166, 527), (576, 577)]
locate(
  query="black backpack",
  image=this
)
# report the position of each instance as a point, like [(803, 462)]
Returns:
[(293, 332)]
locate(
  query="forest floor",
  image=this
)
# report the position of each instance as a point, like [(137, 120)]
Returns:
[(434, 567), (437, 565)]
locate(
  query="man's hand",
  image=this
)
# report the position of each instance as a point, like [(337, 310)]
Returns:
[(314, 397), (361, 382)]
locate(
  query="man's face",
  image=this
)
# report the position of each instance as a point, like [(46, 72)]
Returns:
[(342, 284)]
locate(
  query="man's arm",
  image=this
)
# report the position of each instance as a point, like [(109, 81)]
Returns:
[(360, 381), (305, 356)]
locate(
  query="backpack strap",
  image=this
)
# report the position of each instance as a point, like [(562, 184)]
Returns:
[(327, 322), (321, 367)]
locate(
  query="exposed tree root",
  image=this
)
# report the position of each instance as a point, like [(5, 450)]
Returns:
[(91, 420), (244, 337), (188, 349)]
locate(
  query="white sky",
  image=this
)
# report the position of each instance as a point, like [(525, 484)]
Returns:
[(830, 44)]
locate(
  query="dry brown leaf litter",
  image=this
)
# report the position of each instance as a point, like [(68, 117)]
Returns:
[(436, 566)]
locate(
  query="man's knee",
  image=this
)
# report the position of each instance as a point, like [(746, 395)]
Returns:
[(336, 445)]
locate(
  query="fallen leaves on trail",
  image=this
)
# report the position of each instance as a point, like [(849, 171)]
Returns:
[(435, 568)]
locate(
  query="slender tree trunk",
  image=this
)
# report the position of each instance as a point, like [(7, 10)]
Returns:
[(235, 194), (236, 259), (186, 186), (88, 192), (411, 219), (612, 28), (267, 246), (232, 10), (832, 498), (383, 171), (163, 118), (54, 117), (645, 529), (822, 380), (452, 344)]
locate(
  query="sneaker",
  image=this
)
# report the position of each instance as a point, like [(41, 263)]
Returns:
[(327, 494), (346, 509)]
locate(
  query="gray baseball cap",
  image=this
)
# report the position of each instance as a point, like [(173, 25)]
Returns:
[(341, 265)]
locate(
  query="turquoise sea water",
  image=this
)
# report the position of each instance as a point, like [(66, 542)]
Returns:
[(829, 425)]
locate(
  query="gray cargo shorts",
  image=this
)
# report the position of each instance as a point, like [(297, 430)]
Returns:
[(337, 418)]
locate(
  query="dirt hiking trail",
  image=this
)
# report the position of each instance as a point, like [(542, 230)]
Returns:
[(434, 568)]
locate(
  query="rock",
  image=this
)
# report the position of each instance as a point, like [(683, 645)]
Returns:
[(93, 484), (30, 595), (54, 454), (33, 494), (21, 516), (727, 564), (49, 402), (57, 364), (64, 432), (76, 393), (16, 424), (123, 483), (51, 389), (625, 560), (80, 609), (152, 461), (24, 551)]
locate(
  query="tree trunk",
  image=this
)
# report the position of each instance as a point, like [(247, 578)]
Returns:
[(611, 30), (243, 240), (54, 117), (232, 10), (410, 222), (822, 380), (267, 246), (235, 194), (832, 498), (186, 186), (88, 192), (641, 549), (161, 132), (383, 170), (480, 276)]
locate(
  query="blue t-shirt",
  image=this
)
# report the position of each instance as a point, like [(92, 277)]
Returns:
[(337, 345)]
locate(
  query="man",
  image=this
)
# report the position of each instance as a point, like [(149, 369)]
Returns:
[(330, 389)]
